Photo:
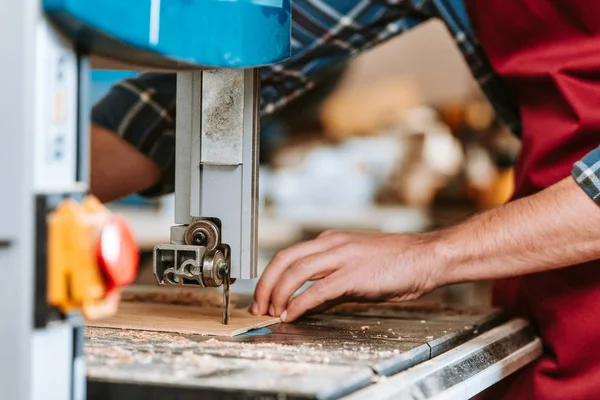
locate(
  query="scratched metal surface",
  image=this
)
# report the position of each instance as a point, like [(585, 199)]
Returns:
[(320, 356)]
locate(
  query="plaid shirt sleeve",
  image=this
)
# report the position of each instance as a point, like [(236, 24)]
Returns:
[(325, 35), (587, 174), (142, 111)]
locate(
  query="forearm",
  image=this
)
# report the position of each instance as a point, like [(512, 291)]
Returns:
[(118, 169), (132, 141), (555, 228)]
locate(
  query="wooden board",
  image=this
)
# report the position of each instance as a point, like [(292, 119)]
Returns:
[(192, 320)]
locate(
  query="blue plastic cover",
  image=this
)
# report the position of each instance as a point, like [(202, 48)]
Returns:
[(210, 33)]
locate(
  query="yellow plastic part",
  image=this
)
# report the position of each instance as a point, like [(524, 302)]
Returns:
[(75, 281)]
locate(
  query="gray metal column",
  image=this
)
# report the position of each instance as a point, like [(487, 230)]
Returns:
[(217, 157)]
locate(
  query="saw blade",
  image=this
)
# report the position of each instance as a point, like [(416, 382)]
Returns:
[(226, 282)]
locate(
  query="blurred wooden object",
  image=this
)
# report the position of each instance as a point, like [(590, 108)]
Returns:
[(412, 181), (368, 109), (499, 192), (479, 115)]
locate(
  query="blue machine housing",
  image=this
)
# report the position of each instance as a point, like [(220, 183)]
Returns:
[(178, 33)]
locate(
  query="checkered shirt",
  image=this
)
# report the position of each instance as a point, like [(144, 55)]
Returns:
[(587, 174), (326, 34)]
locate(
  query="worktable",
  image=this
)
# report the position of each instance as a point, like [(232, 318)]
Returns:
[(400, 351)]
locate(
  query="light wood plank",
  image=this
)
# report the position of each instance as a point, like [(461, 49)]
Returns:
[(192, 320)]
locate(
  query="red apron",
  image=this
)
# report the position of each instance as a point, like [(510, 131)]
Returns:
[(549, 53)]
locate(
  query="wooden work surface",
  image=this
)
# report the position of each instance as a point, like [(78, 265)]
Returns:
[(185, 319)]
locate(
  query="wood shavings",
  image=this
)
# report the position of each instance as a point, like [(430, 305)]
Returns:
[(112, 355), (147, 346), (94, 335)]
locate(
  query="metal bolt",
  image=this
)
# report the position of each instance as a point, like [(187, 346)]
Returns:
[(199, 237), (223, 269)]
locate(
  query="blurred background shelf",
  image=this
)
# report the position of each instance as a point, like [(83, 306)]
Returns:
[(278, 229)]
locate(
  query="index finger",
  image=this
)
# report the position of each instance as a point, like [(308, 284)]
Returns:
[(315, 266), (327, 290), (280, 262)]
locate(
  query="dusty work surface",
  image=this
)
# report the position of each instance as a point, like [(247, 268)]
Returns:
[(320, 357)]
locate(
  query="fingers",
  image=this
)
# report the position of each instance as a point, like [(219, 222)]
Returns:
[(281, 262), (327, 290), (310, 267)]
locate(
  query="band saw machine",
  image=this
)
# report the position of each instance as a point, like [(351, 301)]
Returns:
[(66, 257)]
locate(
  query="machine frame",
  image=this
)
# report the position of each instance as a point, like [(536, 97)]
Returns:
[(43, 153)]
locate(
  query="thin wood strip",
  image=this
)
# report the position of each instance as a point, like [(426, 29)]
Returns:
[(189, 320)]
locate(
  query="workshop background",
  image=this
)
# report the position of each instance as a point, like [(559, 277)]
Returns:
[(401, 140)]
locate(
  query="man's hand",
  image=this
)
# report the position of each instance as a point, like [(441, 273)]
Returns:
[(366, 266), (555, 228)]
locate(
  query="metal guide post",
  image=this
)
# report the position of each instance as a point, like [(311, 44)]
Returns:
[(216, 182), (217, 159)]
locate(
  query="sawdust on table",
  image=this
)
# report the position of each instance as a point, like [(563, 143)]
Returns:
[(110, 347)]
